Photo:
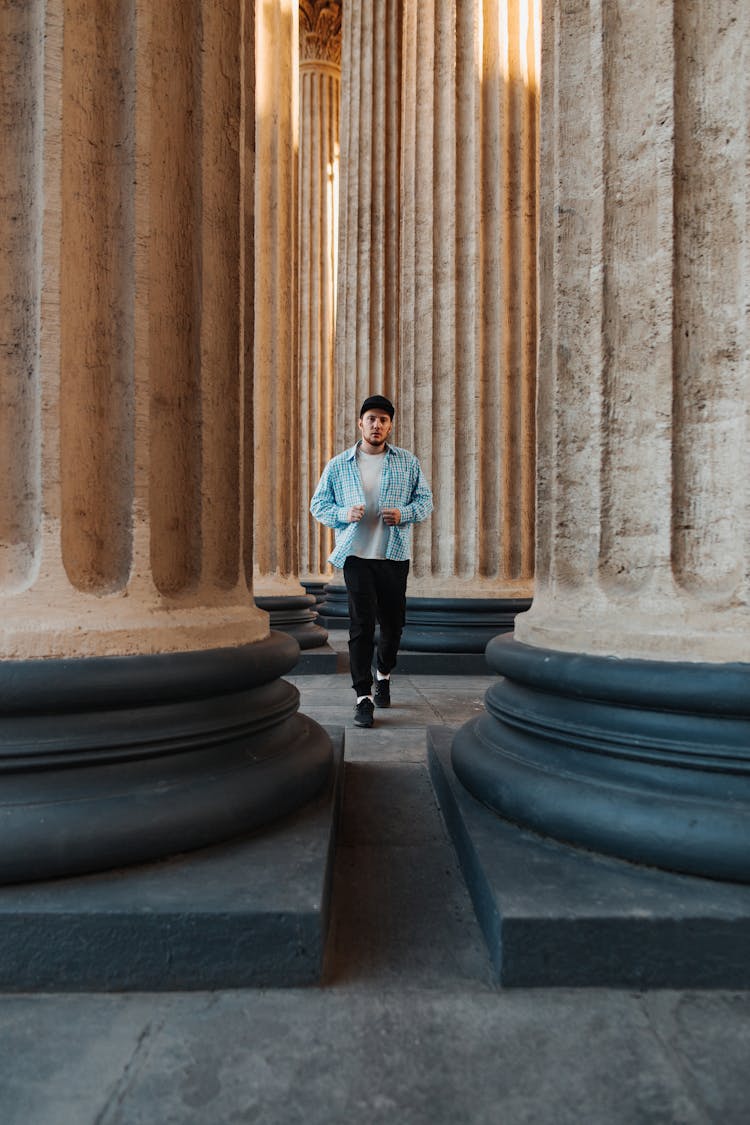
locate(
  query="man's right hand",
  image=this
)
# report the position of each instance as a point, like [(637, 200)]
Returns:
[(356, 513)]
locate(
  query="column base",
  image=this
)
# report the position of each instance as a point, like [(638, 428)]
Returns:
[(458, 625), (333, 610), (113, 761), (556, 916), (314, 587), (249, 913), (295, 616), (645, 760), (438, 625)]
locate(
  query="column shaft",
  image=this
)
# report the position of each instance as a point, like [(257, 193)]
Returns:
[(367, 320), (21, 217), (644, 508), (121, 532), (276, 392), (465, 400), (280, 443), (320, 95), (468, 290)]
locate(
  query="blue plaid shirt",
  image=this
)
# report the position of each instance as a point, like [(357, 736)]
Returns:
[(402, 486)]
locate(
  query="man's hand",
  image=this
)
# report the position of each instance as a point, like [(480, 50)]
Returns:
[(391, 516), (356, 513)]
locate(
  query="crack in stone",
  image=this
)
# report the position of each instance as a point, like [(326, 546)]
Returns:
[(110, 1110)]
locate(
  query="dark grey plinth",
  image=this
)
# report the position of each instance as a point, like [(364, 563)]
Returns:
[(442, 664), (315, 587), (252, 912), (554, 915), (333, 608), (323, 661), (297, 617)]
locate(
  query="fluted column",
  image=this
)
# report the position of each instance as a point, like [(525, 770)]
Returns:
[(279, 441), (468, 307), (367, 316), (644, 510), (121, 529), (123, 537), (320, 95), (623, 720), (277, 415), (367, 304)]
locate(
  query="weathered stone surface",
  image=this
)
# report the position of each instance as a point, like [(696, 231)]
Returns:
[(642, 486), (367, 312), (319, 177), (276, 399), (120, 289), (468, 290)]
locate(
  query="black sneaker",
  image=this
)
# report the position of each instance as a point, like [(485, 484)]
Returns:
[(364, 713), (382, 693)]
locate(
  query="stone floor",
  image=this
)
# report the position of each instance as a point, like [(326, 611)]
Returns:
[(408, 1026)]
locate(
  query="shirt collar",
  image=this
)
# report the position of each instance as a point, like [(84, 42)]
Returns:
[(352, 453)]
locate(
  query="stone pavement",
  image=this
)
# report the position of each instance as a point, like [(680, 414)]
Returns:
[(408, 1026)]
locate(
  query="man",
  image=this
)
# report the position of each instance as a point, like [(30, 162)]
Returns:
[(371, 495)]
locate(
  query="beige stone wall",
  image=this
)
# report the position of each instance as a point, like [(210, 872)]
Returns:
[(320, 96), (276, 376), (642, 484), (122, 378), (367, 332), (468, 289)]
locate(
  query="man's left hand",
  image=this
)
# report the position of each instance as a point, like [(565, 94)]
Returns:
[(391, 516)]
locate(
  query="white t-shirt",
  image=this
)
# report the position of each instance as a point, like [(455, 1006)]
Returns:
[(371, 536)]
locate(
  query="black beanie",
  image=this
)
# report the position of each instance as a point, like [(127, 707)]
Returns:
[(377, 402)]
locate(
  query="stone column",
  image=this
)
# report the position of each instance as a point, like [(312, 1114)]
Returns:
[(278, 440), (622, 723), (465, 400), (320, 95), (367, 311), (137, 679)]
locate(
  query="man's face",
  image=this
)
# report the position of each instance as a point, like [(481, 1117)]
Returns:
[(375, 426)]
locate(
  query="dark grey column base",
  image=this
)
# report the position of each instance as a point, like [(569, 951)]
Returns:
[(333, 610), (316, 588), (458, 625), (557, 916), (251, 913), (442, 664), (119, 760), (646, 760), (297, 617), (438, 628), (322, 661)]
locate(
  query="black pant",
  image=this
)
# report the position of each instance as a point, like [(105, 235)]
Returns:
[(377, 592)]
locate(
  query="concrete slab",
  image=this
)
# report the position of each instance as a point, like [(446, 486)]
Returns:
[(388, 804), (553, 915), (405, 1056), (382, 744), (251, 912)]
